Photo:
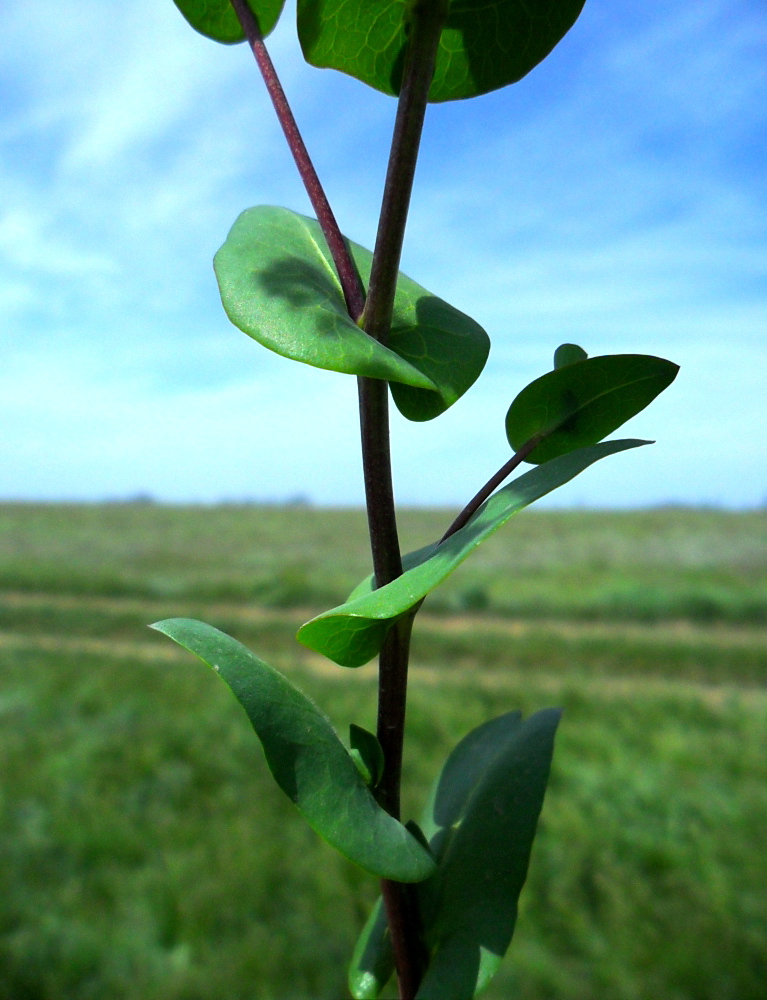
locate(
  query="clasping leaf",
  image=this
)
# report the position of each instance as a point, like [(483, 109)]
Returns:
[(353, 633), (278, 284), (306, 757)]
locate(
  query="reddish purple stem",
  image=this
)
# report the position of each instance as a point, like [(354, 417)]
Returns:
[(506, 470), (354, 293)]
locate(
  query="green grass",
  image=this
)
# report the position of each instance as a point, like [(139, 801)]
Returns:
[(665, 564), (147, 854)]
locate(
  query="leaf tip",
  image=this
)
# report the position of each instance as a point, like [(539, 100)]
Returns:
[(367, 754), (568, 354), (167, 625)]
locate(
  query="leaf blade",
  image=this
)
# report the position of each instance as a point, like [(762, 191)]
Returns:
[(372, 964), (483, 46), (217, 20), (306, 758), (568, 354), (353, 633), (370, 751), (278, 284), (463, 768), (471, 901), (581, 402)]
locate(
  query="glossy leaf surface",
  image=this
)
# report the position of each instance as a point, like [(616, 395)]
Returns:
[(306, 757), (216, 19), (486, 810), (484, 45), (372, 964), (278, 285), (353, 633), (580, 403)]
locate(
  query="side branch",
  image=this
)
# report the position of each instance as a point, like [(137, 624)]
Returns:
[(492, 484), (354, 293)]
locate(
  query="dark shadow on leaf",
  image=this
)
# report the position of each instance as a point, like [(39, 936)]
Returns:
[(395, 79), (448, 347), (454, 970), (526, 37), (300, 284), (282, 757), (310, 22), (408, 342)]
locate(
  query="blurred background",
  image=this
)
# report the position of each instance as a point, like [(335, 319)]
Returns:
[(156, 462)]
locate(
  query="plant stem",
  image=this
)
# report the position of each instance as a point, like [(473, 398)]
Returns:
[(354, 293), (476, 501), (399, 900), (427, 19)]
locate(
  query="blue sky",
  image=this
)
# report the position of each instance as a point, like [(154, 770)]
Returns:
[(616, 197)]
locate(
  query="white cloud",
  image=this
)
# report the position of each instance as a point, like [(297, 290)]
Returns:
[(608, 211), (25, 244)]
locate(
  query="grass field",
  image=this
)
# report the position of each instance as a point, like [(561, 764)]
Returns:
[(147, 854)]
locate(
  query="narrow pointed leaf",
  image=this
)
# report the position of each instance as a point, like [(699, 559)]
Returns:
[(216, 19), (581, 403), (367, 746), (372, 964), (306, 757), (470, 903), (483, 46), (278, 285), (353, 633)]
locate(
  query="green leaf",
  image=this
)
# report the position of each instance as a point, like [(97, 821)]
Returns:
[(278, 285), (484, 45), (372, 963), (417, 832), (362, 767), (481, 820), (370, 751), (461, 772), (582, 402), (486, 810), (306, 757), (216, 19), (353, 633), (568, 354)]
